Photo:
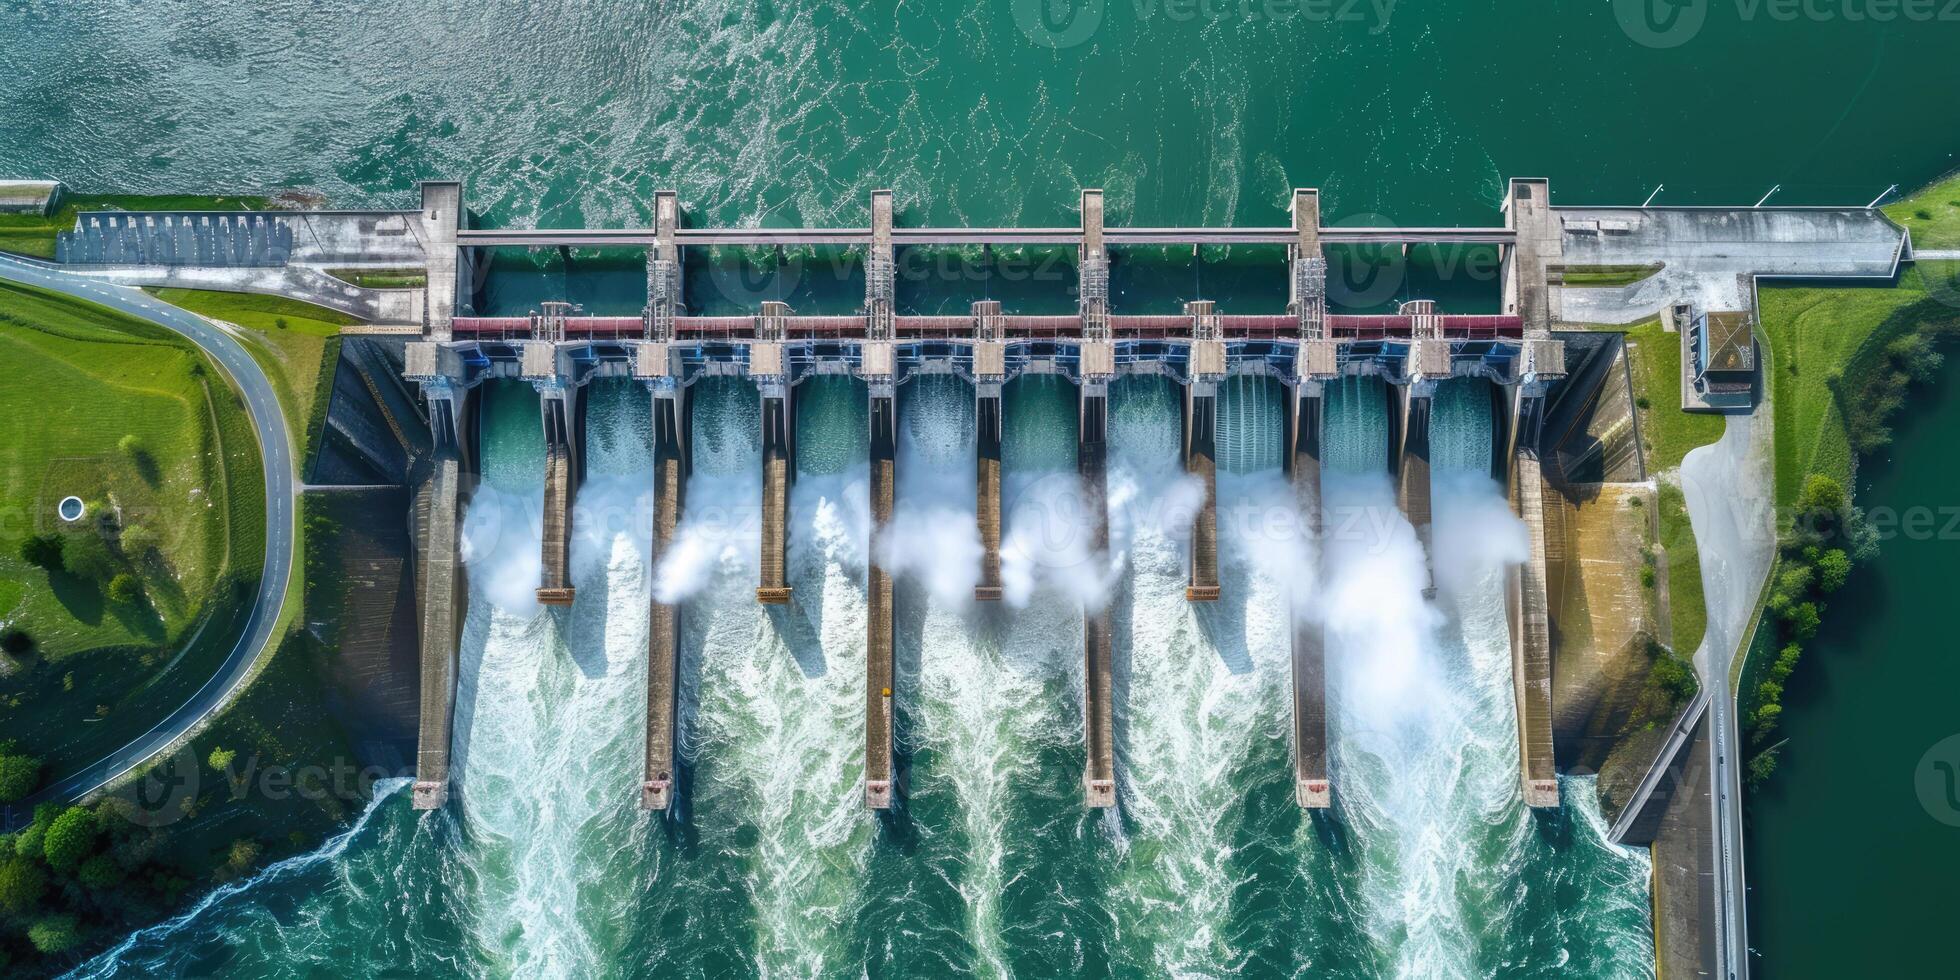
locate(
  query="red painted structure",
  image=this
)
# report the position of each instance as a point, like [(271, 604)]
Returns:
[(1271, 327)]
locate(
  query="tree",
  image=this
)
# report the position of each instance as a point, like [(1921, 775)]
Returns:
[(55, 934), (43, 551), (100, 873), (131, 446), (125, 588), (22, 883), (70, 839), (88, 557), (1820, 492), (19, 774), (221, 758), (1833, 568), (1803, 620)]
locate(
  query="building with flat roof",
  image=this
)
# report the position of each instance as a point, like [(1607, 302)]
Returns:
[(1719, 361)]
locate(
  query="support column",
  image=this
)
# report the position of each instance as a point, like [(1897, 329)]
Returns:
[(772, 380), (1410, 456), (1098, 671), (670, 466), (1207, 366), (442, 587), (1528, 612), (1311, 787), (879, 650)]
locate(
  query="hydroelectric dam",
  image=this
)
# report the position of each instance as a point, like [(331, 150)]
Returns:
[(1399, 359)]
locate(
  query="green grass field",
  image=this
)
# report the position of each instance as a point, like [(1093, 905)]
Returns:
[(1813, 333), (105, 670), (1932, 214), (1667, 431), (1667, 434), (298, 345), (33, 234)]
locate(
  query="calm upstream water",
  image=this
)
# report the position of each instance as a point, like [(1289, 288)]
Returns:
[(985, 114), (1871, 699)]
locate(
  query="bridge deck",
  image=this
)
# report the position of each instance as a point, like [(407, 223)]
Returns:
[(642, 237)]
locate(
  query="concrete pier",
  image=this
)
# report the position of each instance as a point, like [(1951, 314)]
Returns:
[(879, 648), (989, 371), (1528, 614), (561, 475), (1311, 788), (670, 465), (442, 590), (1409, 455), (1098, 671), (1201, 447), (1097, 362), (766, 367)]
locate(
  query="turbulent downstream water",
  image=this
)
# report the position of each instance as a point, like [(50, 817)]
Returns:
[(982, 114), (1429, 867)]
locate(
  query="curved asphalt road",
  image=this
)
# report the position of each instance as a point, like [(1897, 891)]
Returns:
[(276, 450)]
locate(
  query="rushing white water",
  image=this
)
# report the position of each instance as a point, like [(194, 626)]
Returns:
[(545, 742), (1429, 866)]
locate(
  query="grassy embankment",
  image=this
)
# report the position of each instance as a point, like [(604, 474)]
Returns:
[(1932, 214), (1668, 433), (298, 345), (1843, 360), (137, 603), (382, 278), (33, 234), (269, 777)]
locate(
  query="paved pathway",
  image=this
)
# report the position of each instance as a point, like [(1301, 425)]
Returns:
[(276, 449)]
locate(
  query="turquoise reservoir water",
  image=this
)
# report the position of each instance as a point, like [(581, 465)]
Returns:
[(984, 114)]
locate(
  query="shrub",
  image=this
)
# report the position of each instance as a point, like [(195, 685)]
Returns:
[(1803, 620), (22, 883), (138, 540), (43, 551), (70, 839), (1833, 568), (221, 758), (19, 774), (100, 873), (279, 321), (125, 588), (55, 934), (89, 557)]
